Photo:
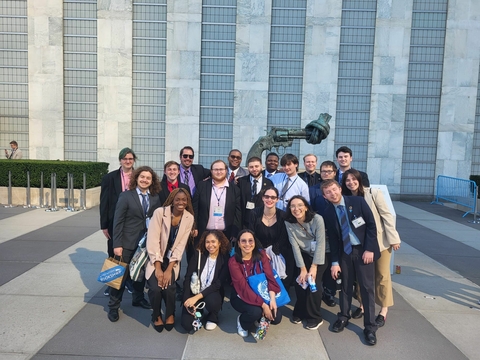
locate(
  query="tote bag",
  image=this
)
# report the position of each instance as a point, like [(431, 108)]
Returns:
[(259, 284)]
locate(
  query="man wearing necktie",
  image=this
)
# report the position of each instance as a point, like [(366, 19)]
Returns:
[(235, 171), (252, 188), (170, 181), (191, 174), (132, 213), (352, 236), (16, 153)]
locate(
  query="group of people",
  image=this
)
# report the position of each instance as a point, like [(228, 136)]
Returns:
[(233, 223)]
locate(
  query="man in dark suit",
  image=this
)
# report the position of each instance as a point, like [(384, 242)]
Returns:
[(216, 205), (310, 176), (112, 185), (235, 171), (191, 174), (344, 159), (352, 235), (171, 170), (271, 165), (319, 204), (134, 209), (252, 188)]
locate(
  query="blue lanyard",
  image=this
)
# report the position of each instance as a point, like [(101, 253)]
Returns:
[(218, 197)]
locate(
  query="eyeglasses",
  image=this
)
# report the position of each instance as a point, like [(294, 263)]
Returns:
[(219, 170), (128, 159), (185, 156), (297, 207), (236, 157), (271, 197), (247, 241), (327, 171)]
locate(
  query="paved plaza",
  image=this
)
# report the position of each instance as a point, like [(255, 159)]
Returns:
[(52, 307)]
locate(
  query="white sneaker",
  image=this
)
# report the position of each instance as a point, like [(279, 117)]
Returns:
[(240, 331), (210, 326)]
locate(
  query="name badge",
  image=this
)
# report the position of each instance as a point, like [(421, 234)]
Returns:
[(313, 246), (147, 222), (169, 254), (218, 211), (250, 205), (358, 222)]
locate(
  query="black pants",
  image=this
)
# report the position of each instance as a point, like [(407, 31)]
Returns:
[(329, 285), (213, 305), (353, 268), (157, 294), (250, 313), (138, 286), (308, 305)]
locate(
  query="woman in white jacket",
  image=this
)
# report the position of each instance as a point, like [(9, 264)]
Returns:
[(388, 240)]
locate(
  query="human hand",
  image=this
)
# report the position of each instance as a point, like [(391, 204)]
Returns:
[(105, 232), (118, 251), (159, 276), (395, 247), (334, 270), (167, 279), (302, 278), (312, 272), (367, 257), (267, 312)]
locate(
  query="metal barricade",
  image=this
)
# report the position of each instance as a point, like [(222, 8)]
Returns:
[(53, 193), (70, 193), (458, 191), (9, 191)]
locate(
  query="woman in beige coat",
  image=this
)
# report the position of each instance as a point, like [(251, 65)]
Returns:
[(388, 240), (168, 233)]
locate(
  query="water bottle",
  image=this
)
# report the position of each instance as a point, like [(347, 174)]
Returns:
[(194, 278), (339, 278), (313, 286)]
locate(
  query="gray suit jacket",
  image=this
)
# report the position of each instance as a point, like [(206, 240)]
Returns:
[(129, 220)]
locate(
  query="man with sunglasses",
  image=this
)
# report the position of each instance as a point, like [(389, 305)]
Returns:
[(191, 174), (252, 188), (235, 171)]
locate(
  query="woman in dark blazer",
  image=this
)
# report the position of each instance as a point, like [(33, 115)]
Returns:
[(170, 228), (213, 250)]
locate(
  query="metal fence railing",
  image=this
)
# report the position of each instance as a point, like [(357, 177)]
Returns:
[(459, 191)]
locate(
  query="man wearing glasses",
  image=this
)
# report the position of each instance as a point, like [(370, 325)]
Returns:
[(235, 171), (216, 205), (251, 188), (191, 174), (113, 184)]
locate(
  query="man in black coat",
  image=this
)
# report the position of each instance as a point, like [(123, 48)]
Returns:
[(171, 170), (133, 209), (252, 188), (310, 176), (344, 159), (352, 235), (216, 205), (191, 174)]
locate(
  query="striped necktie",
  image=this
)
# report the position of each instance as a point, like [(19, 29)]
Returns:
[(347, 246)]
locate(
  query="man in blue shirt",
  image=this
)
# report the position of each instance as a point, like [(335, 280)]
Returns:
[(289, 183)]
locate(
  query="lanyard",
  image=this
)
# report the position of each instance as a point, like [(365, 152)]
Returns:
[(286, 191), (176, 232), (218, 197), (209, 271)]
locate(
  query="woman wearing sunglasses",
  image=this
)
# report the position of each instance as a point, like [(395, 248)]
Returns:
[(306, 232), (243, 264), (268, 224)]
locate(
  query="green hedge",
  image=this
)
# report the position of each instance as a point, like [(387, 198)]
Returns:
[(94, 172), (476, 178)]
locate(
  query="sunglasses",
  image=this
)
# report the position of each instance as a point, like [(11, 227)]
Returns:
[(236, 157), (185, 156), (128, 159), (271, 197), (247, 241)]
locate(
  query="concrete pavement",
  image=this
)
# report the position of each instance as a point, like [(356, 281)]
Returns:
[(52, 307)]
